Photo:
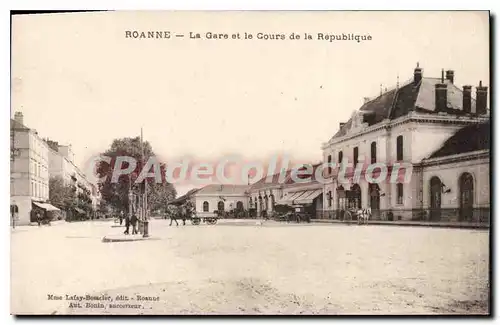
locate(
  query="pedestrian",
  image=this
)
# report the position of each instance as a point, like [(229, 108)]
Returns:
[(39, 218), (121, 217), (133, 221), (186, 214), (173, 217), (127, 224)]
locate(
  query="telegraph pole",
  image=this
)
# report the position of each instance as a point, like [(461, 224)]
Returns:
[(145, 221)]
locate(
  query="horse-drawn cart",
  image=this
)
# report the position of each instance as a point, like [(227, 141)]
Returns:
[(360, 215), (208, 219)]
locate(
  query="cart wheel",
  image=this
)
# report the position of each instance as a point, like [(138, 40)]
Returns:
[(195, 221), (212, 221)]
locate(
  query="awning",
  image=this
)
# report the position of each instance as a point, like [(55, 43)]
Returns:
[(288, 200), (46, 206), (50, 207), (79, 210), (308, 197), (38, 204)]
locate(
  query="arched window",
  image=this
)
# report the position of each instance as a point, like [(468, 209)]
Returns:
[(374, 197), (354, 197), (341, 198), (399, 148), (206, 206), (373, 150), (435, 198), (399, 193), (329, 198), (220, 206), (341, 155), (239, 206), (466, 183)]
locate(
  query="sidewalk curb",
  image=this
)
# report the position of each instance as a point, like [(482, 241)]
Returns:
[(411, 224), (124, 239), (52, 223)]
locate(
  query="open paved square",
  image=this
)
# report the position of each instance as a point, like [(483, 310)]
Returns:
[(240, 267)]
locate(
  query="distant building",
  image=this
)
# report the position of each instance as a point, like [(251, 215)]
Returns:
[(262, 196), (29, 171), (222, 197), (429, 124), (61, 164), (275, 190)]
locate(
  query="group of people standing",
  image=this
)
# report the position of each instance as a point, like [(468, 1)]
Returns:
[(130, 220)]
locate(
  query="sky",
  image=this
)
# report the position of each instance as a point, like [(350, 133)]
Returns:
[(78, 80)]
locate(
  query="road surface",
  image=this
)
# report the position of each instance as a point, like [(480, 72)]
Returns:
[(249, 268)]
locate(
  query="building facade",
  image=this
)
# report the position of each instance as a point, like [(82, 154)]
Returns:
[(29, 170), (34, 161), (61, 164), (288, 189), (223, 198), (407, 127)]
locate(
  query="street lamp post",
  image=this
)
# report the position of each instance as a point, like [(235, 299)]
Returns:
[(145, 221), (131, 198)]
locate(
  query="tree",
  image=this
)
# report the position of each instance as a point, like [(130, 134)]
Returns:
[(116, 194), (60, 194), (159, 194)]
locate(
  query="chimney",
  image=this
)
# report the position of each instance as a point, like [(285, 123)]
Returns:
[(450, 75), (441, 91), (341, 124), (417, 75), (18, 117), (481, 98), (467, 99)]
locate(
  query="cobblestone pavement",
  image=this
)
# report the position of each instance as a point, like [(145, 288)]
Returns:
[(253, 268)]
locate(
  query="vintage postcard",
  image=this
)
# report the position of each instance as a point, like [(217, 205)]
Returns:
[(250, 163)]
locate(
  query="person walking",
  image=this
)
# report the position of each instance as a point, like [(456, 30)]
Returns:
[(121, 217), (133, 221), (127, 224), (173, 216), (38, 218)]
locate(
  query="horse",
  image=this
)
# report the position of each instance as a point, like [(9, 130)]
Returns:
[(364, 215)]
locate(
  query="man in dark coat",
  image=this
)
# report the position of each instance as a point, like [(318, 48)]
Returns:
[(133, 221), (127, 224), (173, 216), (187, 213), (39, 218)]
